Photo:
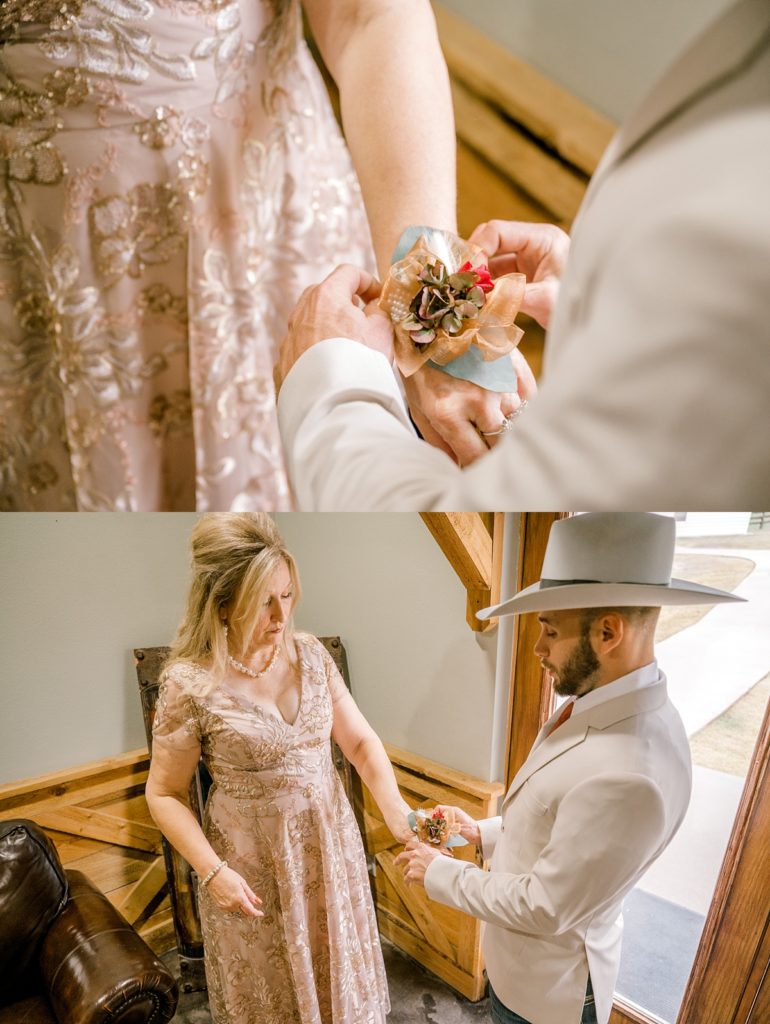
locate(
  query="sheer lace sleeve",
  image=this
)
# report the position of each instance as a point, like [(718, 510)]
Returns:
[(334, 680), (176, 722)]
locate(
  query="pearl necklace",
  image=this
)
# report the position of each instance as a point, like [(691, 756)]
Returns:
[(250, 671), (240, 667)]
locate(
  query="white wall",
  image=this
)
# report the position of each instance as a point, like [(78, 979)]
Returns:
[(424, 680), (607, 52), (713, 524), (78, 592)]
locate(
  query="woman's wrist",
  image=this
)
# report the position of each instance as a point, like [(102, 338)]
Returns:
[(212, 873), (206, 865), (396, 815)]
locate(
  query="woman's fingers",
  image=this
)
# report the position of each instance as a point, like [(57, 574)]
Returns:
[(527, 384), (491, 417), (251, 895), (509, 403)]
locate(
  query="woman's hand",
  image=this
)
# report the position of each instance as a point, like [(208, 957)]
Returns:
[(232, 893), (399, 826), (454, 415)]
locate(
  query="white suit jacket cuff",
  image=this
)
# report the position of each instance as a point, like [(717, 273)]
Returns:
[(490, 829), (338, 366), (348, 439), (440, 878)]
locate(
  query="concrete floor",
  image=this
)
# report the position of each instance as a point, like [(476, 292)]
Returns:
[(416, 996), (714, 662)]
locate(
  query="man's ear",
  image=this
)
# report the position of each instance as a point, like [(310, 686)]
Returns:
[(609, 630)]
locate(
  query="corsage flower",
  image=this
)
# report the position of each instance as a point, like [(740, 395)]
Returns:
[(437, 827), (440, 307)]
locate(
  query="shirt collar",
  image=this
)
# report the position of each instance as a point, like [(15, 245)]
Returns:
[(636, 680)]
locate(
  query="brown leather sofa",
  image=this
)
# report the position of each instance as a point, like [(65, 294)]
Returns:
[(66, 955)]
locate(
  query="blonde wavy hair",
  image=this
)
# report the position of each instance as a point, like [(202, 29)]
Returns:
[(234, 555)]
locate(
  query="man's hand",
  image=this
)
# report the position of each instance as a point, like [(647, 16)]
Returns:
[(415, 860), (537, 250), (469, 827), (331, 310), (452, 414)]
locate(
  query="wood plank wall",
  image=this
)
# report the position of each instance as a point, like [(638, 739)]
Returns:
[(526, 148), (98, 819), (445, 941)]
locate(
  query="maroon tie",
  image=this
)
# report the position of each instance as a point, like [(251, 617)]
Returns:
[(566, 711)]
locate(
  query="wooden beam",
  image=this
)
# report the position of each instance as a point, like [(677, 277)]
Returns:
[(433, 791), (483, 192), (536, 171), (84, 821), (111, 868), (143, 891), (82, 796), (565, 123), (730, 975), (61, 784), (469, 548), (158, 931), (466, 543), (483, 598), (378, 836), (484, 792)]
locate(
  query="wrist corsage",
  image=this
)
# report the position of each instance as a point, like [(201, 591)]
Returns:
[(447, 311), (437, 827)]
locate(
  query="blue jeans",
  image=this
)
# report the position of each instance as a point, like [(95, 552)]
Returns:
[(502, 1015)]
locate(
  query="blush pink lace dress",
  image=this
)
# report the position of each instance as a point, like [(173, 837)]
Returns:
[(171, 179), (278, 814)]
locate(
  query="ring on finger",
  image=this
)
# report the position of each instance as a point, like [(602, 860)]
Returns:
[(507, 423)]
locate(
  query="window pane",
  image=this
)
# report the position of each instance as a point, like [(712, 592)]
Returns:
[(717, 661)]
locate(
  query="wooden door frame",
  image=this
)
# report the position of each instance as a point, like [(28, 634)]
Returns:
[(531, 696), (730, 978)]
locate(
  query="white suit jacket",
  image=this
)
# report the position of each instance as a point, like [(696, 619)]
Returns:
[(656, 382), (591, 808)]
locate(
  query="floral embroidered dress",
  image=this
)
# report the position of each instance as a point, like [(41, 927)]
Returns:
[(171, 178), (278, 814)]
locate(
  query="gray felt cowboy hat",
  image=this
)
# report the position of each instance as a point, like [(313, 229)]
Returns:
[(608, 559)]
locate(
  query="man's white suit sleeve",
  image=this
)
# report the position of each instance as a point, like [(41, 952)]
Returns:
[(606, 829), (489, 830), (348, 438)]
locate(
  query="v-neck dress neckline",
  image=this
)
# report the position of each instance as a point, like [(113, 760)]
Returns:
[(301, 666)]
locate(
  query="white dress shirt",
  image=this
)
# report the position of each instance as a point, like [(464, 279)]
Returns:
[(640, 677)]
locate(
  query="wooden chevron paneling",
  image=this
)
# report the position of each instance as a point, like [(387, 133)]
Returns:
[(443, 940), (98, 819)]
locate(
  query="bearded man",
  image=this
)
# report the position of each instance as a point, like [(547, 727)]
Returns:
[(604, 788)]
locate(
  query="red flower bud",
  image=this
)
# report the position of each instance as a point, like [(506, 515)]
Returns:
[(483, 278)]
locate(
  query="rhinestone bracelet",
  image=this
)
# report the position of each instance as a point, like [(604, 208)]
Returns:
[(217, 867)]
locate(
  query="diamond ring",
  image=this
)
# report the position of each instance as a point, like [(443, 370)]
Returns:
[(507, 423)]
